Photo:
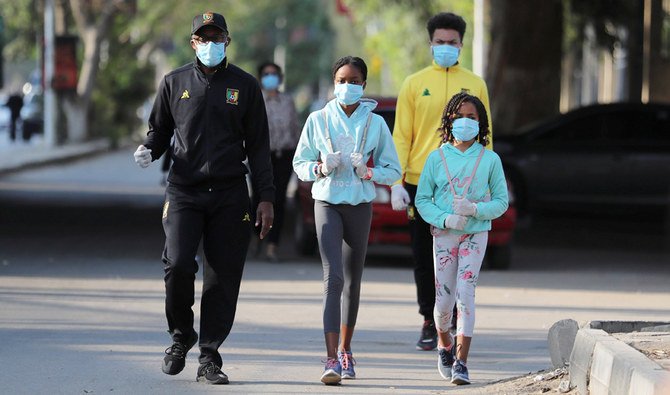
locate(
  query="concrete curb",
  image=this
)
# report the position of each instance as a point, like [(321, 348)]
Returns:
[(602, 364), (33, 156)]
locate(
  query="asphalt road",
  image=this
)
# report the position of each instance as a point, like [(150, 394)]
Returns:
[(82, 295)]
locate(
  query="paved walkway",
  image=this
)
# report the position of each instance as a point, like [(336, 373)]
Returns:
[(15, 155)]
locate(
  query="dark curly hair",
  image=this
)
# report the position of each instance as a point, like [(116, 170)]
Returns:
[(451, 112), (354, 61), (446, 20)]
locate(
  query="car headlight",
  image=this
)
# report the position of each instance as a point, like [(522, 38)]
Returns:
[(383, 195)]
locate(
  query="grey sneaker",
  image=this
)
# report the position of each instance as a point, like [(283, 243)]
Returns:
[(175, 355), (332, 372), (459, 373), (211, 374), (347, 362), (445, 360)]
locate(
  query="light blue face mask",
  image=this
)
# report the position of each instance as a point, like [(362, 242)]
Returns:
[(348, 94), (445, 55), (211, 54), (270, 82), (465, 129)]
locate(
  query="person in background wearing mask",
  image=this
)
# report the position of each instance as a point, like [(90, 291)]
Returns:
[(284, 134), (334, 148), (216, 114), (422, 98), (461, 190)]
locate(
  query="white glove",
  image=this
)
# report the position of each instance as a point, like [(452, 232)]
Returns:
[(142, 156), (399, 197), (331, 162), (357, 162), (455, 221), (463, 206)]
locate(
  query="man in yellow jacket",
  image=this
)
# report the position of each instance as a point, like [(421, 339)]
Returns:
[(421, 101)]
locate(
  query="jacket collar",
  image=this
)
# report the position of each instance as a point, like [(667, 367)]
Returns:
[(222, 66)]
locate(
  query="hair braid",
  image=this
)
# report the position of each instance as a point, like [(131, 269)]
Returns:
[(451, 112)]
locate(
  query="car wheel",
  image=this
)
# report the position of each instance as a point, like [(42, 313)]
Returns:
[(305, 240), (499, 257)]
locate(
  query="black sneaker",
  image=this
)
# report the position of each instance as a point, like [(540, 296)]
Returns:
[(428, 340), (175, 355), (211, 374)]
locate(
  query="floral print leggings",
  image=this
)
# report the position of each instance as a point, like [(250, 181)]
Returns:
[(457, 260)]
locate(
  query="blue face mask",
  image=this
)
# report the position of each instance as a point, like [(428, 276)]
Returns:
[(211, 54), (348, 94), (465, 129), (270, 82), (445, 55)]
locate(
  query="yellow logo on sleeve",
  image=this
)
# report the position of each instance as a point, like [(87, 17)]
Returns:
[(185, 94), (247, 217), (165, 209)]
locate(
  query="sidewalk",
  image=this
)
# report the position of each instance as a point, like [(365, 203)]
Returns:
[(19, 155), (99, 327)]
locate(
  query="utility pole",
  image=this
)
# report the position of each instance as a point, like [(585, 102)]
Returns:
[(49, 71), (646, 51), (478, 46)]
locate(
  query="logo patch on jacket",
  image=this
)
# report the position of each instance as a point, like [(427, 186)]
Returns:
[(232, 95), (185, 94), (246, 218), (426, 92)]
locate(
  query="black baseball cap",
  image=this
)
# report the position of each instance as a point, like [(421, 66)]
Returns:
[(209, 18)]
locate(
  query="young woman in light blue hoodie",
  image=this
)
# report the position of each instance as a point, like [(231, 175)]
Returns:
[(333, 151), (461, 189)]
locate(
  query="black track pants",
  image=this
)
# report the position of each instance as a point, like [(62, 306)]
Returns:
[(221, 218)]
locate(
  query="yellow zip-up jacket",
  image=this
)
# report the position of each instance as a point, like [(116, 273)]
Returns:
[(421, 101)]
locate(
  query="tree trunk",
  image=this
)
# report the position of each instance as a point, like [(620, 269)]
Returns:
[(524, 65), (92, 30)]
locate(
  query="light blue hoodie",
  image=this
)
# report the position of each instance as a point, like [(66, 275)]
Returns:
[(434, 198), (343, 186)]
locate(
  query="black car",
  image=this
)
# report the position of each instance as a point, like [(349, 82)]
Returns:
[(602, 156)]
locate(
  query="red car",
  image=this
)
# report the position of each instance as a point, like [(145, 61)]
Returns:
[(389, 226)]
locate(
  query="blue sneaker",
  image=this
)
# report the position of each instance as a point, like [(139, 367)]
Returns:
[(347, 362), (445, 360), (459, 373), (332, 373)]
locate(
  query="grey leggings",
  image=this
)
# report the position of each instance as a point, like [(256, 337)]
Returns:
[(342, 231)]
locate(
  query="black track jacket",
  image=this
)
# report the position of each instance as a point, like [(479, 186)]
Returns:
[(217, 122)]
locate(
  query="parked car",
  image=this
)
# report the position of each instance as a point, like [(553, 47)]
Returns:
[(32, 115), (602, 156), (391, 227)]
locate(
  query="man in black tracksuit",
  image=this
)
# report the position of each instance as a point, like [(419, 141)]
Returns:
[(215, 112)]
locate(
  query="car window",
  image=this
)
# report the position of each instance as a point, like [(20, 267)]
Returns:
[(627, 125), (584, 129), (661, 127)]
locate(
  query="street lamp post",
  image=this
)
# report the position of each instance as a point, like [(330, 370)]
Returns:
[(49, 71)]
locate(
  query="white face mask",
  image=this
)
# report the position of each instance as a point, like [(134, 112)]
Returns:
[(211, 54), (348, 94), (465, 129), (445, 55)]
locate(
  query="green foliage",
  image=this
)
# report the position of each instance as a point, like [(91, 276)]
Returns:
[(23, 20), (396, 40), (123, 84), (256, 28), (605, 16)]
